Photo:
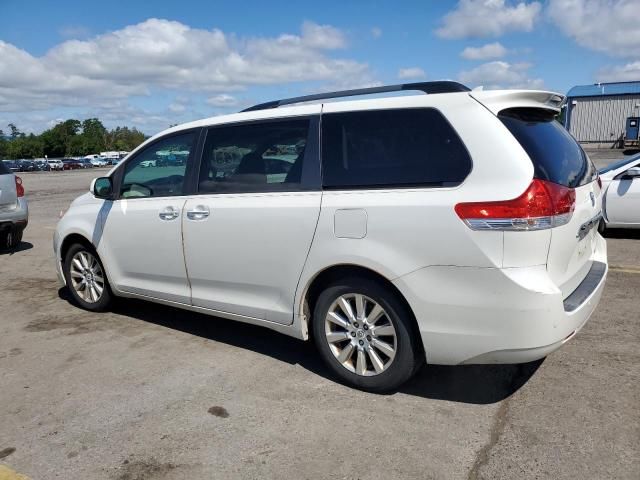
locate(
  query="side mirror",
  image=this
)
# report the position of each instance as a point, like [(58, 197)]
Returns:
[(633, 172), (102, 187)]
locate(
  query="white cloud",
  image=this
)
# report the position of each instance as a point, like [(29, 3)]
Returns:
[(222, 100), (322, 36), (488, 18), (411, 73), (499, 74), (629, 72), (609, 26), (177, 107), (485, 52), (160, 54), (376, 32)]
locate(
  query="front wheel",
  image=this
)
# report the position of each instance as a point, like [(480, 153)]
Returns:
[(366, 335), (86, 278)]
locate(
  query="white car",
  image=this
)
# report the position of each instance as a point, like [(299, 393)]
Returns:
[(14, 209), (56, 164), (438, 228), (621, 187), (98, 162)]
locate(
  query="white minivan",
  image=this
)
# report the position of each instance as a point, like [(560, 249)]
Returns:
[(456, 227)]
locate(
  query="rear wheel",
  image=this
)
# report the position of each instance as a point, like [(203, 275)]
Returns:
[(86, 279), (365, 334), (10, 239), (602, 227)]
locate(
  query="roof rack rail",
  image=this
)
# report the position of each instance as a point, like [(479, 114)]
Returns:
[(444, 86)]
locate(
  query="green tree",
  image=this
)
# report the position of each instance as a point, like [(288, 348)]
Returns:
[(124, 138), (93, 136), (25, 147), (15, 131), (57, 140), (71, 137)]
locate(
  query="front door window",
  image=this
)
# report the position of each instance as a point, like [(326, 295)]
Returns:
[(158, 170)]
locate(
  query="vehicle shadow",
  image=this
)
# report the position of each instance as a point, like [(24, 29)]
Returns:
[(630, 151), (20, 248), (474, 384), (628, 233)]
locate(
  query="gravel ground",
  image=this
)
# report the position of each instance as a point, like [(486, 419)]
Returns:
[(150, 392)]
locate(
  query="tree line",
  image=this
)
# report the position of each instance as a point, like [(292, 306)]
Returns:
[(68, 138)]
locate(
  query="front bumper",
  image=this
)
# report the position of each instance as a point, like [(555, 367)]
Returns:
[(492, 315), (58, 259)]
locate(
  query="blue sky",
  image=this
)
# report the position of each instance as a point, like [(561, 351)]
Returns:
[(151, 64)]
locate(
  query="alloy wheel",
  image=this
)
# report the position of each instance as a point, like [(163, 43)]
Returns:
[(360, 334), (87, 277)]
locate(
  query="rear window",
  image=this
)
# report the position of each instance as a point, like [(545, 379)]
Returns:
[(555, 154), (397, 148), (4, 168)]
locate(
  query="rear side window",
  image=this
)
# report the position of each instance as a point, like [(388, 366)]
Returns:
[(4, 169), (259, 157), (555, 154), (391, 148)]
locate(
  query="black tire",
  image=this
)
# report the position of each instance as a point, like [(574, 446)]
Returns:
[(10, 239), (408, 353), (602, 227), (106, 297)]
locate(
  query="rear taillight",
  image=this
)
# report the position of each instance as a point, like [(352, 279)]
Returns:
[(19, 187), (542, 205)]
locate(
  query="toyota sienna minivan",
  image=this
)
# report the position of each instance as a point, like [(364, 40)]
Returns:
[(456, 227)]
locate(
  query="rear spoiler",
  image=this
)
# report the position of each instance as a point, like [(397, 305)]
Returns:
[(498, 100)]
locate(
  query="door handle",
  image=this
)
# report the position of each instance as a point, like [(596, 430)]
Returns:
[(200, 212), (168, 213)]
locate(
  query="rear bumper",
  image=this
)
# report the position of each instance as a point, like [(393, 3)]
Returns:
[(492, 315), (17, 218)]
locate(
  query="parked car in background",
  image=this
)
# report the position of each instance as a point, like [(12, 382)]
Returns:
[(56, 164), (42, 165), (99, 162), (27, 166), (85, 162), (14, 210), (12, 165), (621, 190), (71, 164), (438, 228)]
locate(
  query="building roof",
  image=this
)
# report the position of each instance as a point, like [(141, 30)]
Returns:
[(605, 89)]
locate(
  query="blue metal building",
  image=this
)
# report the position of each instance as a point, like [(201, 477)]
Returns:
[(597, 113)]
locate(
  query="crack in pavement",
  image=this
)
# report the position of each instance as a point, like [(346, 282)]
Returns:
[(499, 422)]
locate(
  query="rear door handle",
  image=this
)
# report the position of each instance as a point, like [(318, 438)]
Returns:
[(168, 213), (200, 212)]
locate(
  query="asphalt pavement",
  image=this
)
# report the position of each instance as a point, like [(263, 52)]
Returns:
[(152, 392)]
